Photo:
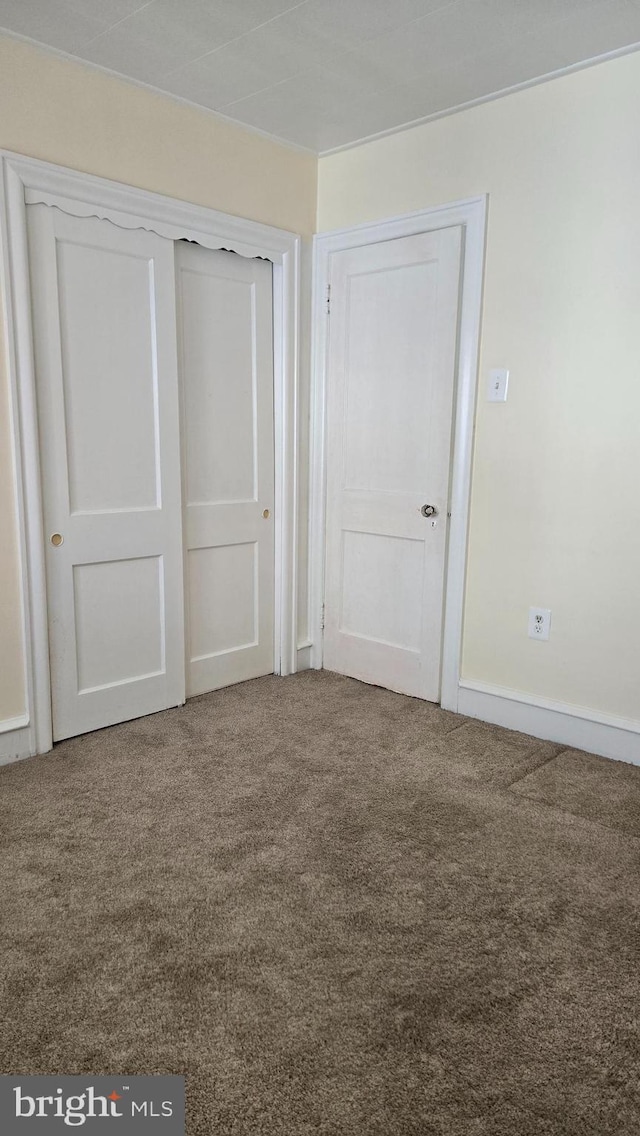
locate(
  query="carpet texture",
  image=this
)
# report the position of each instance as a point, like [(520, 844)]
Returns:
[(336, 910)]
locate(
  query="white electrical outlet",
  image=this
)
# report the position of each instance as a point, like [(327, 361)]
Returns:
[(539, 622), (498, 383)]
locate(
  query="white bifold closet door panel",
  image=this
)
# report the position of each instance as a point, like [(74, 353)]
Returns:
[(103, 304), (225, 332), (391, 370)]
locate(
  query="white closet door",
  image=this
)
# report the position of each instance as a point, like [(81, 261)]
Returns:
[(225, 319), (392, 351), (108, 407)]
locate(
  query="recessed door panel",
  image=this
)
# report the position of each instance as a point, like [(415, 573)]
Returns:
[(110, 378), (226, 365), (215, 627), (387, 400), (124, 639), (103, 301), (382, 579), (220, 416), (392, 353)]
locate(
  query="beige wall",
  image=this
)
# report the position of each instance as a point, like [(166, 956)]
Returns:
[(68, 114), (555, 515)]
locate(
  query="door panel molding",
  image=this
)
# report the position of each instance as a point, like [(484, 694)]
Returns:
[(30, 181), (471, 215)]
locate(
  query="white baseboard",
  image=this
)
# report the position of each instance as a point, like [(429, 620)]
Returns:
[(573, 726), (16, 739), (304, 657), (8, 725)]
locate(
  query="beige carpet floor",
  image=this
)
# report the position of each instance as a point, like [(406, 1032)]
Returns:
[(336, 910)]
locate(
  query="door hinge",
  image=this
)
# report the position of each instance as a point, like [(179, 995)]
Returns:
[(328, 299), (322, 619)]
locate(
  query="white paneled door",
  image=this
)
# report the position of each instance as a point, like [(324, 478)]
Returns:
[(225, 336), (391, 370), (103, 304)]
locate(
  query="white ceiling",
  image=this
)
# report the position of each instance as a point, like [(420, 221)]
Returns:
[(327, 73)]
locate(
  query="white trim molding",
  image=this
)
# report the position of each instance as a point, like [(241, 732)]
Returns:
[(26, 181), (15, 739), (9, 724), (573, 726), (471, 215)]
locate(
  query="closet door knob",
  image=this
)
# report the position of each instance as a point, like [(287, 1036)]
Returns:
[(57, 539)]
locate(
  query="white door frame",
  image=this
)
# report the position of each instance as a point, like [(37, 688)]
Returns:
[(26, 181), (471, 214)]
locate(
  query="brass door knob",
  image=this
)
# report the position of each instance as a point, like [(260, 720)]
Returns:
[(57, 539)]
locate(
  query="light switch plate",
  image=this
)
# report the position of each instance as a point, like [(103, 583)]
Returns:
[(498, 383)]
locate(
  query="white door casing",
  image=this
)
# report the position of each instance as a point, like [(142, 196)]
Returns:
[(390, 403), (225, 339), (103, 310)]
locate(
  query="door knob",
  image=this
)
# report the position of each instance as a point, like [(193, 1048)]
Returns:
[(57, 539), (429, 511)]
